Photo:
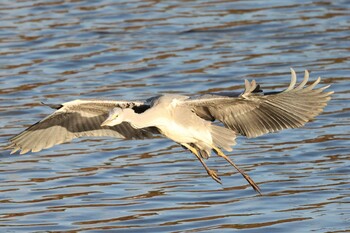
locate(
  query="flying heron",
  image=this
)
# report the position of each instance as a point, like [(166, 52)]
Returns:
[(189, 121)]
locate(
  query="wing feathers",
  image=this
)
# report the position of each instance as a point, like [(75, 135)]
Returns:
[(76, 119), (251, 114), (254, 115)]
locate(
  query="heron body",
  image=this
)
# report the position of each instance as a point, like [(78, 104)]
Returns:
[(190, 121), (186, 127)]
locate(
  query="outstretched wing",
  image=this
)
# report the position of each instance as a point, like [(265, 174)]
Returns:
[(77, 119), (253, 114)]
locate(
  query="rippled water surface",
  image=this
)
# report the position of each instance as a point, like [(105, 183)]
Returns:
[(57, 51)]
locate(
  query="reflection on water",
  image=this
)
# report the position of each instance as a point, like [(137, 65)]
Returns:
[(56, 51)]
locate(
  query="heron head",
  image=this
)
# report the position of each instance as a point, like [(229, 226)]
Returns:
[(115, 117)]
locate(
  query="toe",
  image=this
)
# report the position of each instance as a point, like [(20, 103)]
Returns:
[(215, 176)]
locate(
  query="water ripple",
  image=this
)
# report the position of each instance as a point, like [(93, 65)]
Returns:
[(57, 51)]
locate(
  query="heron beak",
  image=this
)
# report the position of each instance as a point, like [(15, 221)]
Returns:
[(106, 122)]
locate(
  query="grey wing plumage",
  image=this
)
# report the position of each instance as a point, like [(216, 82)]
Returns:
[(77, 119), (253, 114)]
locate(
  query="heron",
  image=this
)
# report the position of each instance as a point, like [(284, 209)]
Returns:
[(200, 123)]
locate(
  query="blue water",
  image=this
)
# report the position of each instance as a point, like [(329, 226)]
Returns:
[(57, 51)]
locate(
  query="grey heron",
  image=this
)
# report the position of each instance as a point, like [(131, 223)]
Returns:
[(189, 121)]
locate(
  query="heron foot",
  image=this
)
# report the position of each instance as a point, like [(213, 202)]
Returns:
[(213, 174)]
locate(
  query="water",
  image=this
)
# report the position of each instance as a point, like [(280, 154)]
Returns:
[(57, 51)]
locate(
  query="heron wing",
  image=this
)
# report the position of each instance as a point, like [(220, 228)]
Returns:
[(77, 119), (253, 114)]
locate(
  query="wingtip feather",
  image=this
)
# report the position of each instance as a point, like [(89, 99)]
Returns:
[(247, 85), (314, 84), (293, 80), (14, 150), (302, 84), (23, 151)]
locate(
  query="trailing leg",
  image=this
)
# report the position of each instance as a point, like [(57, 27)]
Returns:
[(245, 175), (210, 172)]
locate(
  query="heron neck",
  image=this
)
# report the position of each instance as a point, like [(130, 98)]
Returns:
[(139, 120)]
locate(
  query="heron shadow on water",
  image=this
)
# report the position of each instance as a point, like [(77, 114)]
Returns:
[(189, 121)]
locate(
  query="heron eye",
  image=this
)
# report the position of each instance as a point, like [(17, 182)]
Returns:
[(115, 116)]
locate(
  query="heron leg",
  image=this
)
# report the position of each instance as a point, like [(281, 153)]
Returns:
[(245, 175), (210, 172)]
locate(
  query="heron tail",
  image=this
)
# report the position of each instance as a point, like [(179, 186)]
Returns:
[(223, 137)]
